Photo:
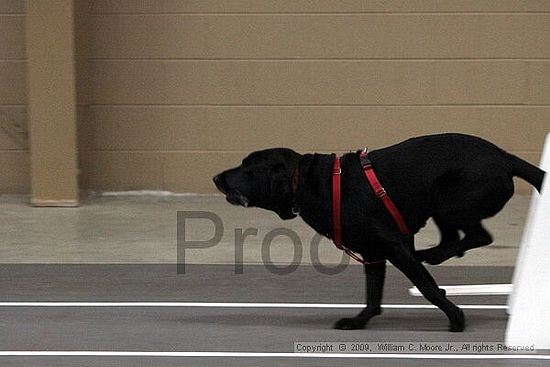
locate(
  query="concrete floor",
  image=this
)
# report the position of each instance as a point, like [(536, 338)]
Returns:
[(144, 230)]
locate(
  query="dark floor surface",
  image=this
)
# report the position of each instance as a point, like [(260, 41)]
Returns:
[(185, 329)]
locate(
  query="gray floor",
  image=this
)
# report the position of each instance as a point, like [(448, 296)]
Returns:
[(223, 329), (125, 250)]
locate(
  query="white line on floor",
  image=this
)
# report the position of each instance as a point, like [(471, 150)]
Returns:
[(266, 355), (471, 290), (234, 305)]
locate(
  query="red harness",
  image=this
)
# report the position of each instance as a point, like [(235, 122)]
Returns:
[(378, 189)]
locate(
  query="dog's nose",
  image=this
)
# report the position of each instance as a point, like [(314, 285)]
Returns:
[(217, 179)]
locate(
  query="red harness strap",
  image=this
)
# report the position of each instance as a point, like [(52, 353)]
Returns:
[(337, 206), (381, 193)]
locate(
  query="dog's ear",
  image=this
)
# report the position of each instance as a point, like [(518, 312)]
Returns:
[(279, 180), (281, 190)]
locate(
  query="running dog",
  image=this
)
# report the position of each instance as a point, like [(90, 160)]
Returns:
[(458, 180)]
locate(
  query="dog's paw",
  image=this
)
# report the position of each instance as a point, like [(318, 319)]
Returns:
[(436, 255), (422, 255), (352, 323), (459, 323), (429, 255), (438, 258)]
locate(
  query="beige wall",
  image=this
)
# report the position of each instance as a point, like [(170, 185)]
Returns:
[(14, 157), (172, 91)]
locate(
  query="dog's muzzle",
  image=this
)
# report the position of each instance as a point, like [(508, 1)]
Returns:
[(235, 198), (238, 199)]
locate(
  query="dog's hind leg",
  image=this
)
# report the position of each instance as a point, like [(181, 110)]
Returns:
[(448, 233), (474, 236), (481, 191), (376, 274), (402, 258)]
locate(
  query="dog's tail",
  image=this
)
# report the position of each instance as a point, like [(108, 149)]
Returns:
[(528, 172)]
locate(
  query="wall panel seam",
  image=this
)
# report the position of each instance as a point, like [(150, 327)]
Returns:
[(358, 13), (503, 105), (306, 59)]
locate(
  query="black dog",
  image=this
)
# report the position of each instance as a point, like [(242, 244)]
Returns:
[(457, 180)]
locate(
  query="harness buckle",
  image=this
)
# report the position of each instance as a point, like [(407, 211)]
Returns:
[(364, 158), (337, 171), (365, 161), (381, 192)]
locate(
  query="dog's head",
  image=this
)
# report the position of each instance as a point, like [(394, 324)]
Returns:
[(263, 180)]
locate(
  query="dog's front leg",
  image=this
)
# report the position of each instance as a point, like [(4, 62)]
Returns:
[(402, 257), (375, 273)]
